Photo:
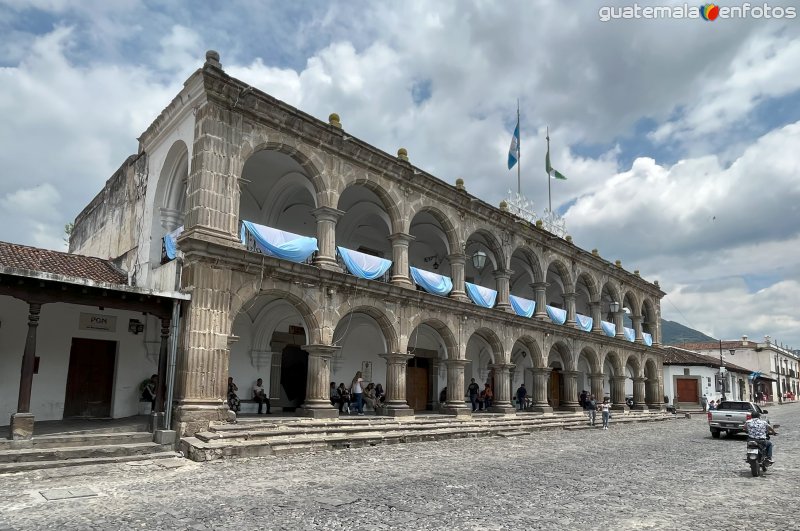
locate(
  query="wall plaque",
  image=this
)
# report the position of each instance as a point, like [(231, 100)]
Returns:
[(93, 321)]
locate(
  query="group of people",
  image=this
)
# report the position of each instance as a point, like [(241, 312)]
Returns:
[(259, 396), (709, 405), (590, 406), (481, 400), (353, 398)]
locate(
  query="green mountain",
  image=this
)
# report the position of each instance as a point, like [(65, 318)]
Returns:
[(673, 333)]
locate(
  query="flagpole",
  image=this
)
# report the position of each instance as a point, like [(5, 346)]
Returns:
[(519, 179), (549, 197)]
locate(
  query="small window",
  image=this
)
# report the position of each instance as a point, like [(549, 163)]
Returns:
[(686, 372)]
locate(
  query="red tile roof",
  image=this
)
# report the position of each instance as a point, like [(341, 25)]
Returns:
[(71, 265), (679, 356)]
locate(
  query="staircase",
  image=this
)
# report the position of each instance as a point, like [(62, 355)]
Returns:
[(262, 437), (80, 448)]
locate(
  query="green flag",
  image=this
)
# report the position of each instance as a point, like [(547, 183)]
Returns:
[(548, 168)]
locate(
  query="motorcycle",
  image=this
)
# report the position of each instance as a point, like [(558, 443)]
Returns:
[(757, 457)]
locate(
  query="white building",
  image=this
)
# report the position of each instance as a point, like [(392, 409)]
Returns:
[(689, 375)]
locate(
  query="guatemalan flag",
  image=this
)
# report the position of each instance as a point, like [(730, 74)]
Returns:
[(513, 151)]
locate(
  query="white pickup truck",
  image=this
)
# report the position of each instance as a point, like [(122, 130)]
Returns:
[(730, 417)]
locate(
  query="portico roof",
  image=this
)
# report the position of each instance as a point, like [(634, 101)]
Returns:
[(680, 356)]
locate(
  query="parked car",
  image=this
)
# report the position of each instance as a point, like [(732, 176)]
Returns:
[(730, 417)]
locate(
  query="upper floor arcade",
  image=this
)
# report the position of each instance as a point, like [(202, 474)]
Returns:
[(226, 162)]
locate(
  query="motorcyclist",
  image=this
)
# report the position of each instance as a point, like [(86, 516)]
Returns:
[(758, 430)]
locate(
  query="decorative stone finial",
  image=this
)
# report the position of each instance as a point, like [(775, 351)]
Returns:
[(460, 183), (636, 272), (503, 206), (212, 58), (655, 282), (402, 154), (539, 223), (595, 252), (618, 263), (568, 238), (333, 119)]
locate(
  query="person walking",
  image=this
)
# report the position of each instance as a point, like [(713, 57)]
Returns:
[(591, 408), (605, 408), (521, 394), (704, 403), (473, 391)]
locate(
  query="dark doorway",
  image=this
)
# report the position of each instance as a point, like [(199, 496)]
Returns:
[(417, 384), (294, 371), (90, 379)]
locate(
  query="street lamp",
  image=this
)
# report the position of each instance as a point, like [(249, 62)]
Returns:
[(721, 371), (614, 307), (479, 260)]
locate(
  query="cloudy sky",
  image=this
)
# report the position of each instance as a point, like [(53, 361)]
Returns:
[(680, 138)]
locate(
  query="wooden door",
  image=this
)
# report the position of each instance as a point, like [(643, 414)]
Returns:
[(687, 390), (417, 388), (294, 374), (555, 389), (90, 378)]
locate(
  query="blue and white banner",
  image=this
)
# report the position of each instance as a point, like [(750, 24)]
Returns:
[(364, 265), (522, 307), (513, 150), (609, 328), (557, 315), (431, 282), (648, 339), (279, 243), (481, 296), (630, 333), (584, 322), (171, 243)]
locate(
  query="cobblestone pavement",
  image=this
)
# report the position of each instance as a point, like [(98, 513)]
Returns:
[(665, 475)]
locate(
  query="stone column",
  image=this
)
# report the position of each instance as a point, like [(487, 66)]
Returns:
[(502, 390), (400, 241), (651, 394), (274, 391), (618, 323), (157, 415), (455, 389), (597, 386), (596, 317), (457, 267), (502, 279), (326, 237), (569, 304), (540, 296), (22, 421), (638, 394), (318, 378), (637, 327), (618, 393), (540, 378), (202, 372), (569, 402), (396, 401)]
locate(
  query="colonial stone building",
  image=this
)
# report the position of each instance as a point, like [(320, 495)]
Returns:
[(310, 255)]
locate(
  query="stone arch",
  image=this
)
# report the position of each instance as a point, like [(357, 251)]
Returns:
[(563, 351), (526, 266), (609, 292), (630, 300), (614, 360), (388, 200), (247, 299), (169, 201), (649, 317), (493, 340), (385, 325), (558, 271), (592, 358), (586, 293), (490, 241), (533, 349), (311, 163), (451, 239), (440, 327), (632, 362)]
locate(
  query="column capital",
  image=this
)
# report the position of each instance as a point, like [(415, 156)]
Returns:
[(323, 351), (639, 379), (456, 363), (619, 378), (568, 296), (502, 366), (542, 370), (401, 238), (326, 213), (597, 375), (502, 273), (540, 285), (396, 357), (571, 374), (636, 319), (594, 304), (457, 258)]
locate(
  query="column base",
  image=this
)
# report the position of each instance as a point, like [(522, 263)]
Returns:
[(640, 407), (505, 307), (656, 407), (194, 417), (619, 407), (328, 264), (506, 410), (402, 282), (459, 296), (318, 413), (21, 427), (570, 407), (541, 409), (398, 411), (155, 422), (457, 411)]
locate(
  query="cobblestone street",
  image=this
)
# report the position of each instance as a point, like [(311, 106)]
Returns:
[(665, 475)]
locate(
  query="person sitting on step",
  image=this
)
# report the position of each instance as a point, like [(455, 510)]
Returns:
[(370, 399), (260, 396), (234, 404)]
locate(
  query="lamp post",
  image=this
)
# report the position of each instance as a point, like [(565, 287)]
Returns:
[(722, 371)]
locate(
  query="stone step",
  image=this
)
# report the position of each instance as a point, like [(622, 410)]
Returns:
[(8, 468), (79, 452), (85, 439)]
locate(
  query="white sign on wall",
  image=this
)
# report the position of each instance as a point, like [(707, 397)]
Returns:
[(366, 370), (93, 321)]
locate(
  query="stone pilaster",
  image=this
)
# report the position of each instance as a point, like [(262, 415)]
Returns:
[(457, 268), (21, 426), (400, 241), (541, 377), (202, 375), (276, 362), (318, 378), (597, 386), (569, 402), (569, 304), (618, 393), (638, 394), (502, 279), (326, 237), (540, 297), (396, 404), (619, 324), (502, 390), (637, 327), (455, 389), (596, 317)]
